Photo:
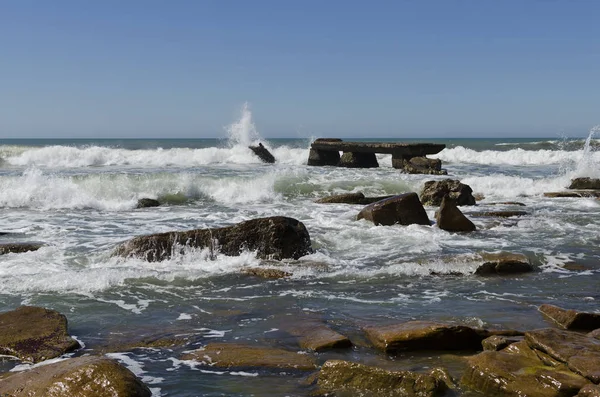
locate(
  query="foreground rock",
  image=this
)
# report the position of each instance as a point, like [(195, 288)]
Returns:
[(585, 183), (82, 377), (579, 352), (34, 334), (434, 191), (147, 203), (451, 219), (234, 355), (350, 198), (589, 391), (263, 153), (276, 237), (18, 248), (425, 335), (571, 319), (353, 379), (501, 263), (404, 209), (317, 336)]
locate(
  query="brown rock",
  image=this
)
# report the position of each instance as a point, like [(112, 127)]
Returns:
[(268, 273), (425, 335), (317, 336), (503, 263), (422, 165), (571, 319), (579, 352), (404, 209), (434, 191), (231, 355), (275, 237), (18, 248), (34, 334), (353, 379), (88, 376), (573, 194), (585, 183), (451, 219), (594, 334), (350, 198), (589, 391), (497, 342), (358, 160)]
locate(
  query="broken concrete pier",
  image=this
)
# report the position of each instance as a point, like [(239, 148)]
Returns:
[(409, 157)]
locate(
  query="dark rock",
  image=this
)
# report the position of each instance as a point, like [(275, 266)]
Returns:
[(263, 153), (422, 165), (358, 160), (404, 209), (18, 248), (571, 319), (88, 376), (317, 336), (573, 266), (497, 342), (434, 191), (503, 263), (585, 183), (268, 273), (34, 334), (147, 202), (425, 335), (516, 203), (451, 219), (573, 194), (275, 237), (589, 391), (507, 374), (498, 214), (353, 379), (579, 352), (323, 157), (232, 355), (351, 198), (594, 334)]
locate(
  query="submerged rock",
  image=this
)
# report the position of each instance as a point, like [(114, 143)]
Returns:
[(503, 263), (147, 203), (585, 183), (88, 376), (573, 194), (235, 355), (499, 214), (451, 219), (352, 379), (317, 336), (434, 191), (18, 248), (275, 237), (571, 319), (404, 209), (268, 273), (350, 198), (34, 334), (263, 153)]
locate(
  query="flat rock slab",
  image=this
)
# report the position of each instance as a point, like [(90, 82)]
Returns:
[(425, 335), (234, 355), (350, 198), (35, 334), (89, 376), (498, 214), (571, 319), (318, 337), (18, 248), (404, 149), (579, 352), (353, 379), (508, 374), (573, 194)]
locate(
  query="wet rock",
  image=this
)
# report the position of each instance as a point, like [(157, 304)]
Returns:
[(498, 214), (147, 203), (323, 157), (18, 248), (34, 334), (425, 335), (268, 273), (497, 342), (263, 153), (434, 191), (451, 219), (404, 209), (358, 160), (275, 237), (573, 194), (507, 374), (515, 203), (571, 319), (579, 352), (503, 263), (232, 355), (352, 379), (589, 391), (573, 266), (317, 336), (423, 165), (585, 183), (88, 376), (594, 334), (350, 198)]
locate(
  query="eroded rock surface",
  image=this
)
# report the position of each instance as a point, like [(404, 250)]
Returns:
[(571, 319), (434, 191), (317, 336)]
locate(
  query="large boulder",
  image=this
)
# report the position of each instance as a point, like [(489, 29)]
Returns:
[(89, 376), (236, 355), (571, 319), (34, 334), (585, 183), (18, 248), (451, 219), (404, 209), (263, 153), (358, 160), (352, 379), (275, 237), (434, 191)]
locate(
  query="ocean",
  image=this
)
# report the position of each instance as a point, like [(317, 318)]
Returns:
[(78, 197)]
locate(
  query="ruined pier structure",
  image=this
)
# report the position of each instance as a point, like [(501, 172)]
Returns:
[(409, 157)]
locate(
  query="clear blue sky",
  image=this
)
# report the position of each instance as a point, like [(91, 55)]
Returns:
[(146, 68)]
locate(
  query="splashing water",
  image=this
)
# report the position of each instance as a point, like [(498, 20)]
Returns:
[(588, 166), (243, 132)]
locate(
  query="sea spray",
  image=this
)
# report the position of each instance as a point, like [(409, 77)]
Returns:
[(243, 132), (589, 164)]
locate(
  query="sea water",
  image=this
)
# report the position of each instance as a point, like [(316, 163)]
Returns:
[(78, 197)]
